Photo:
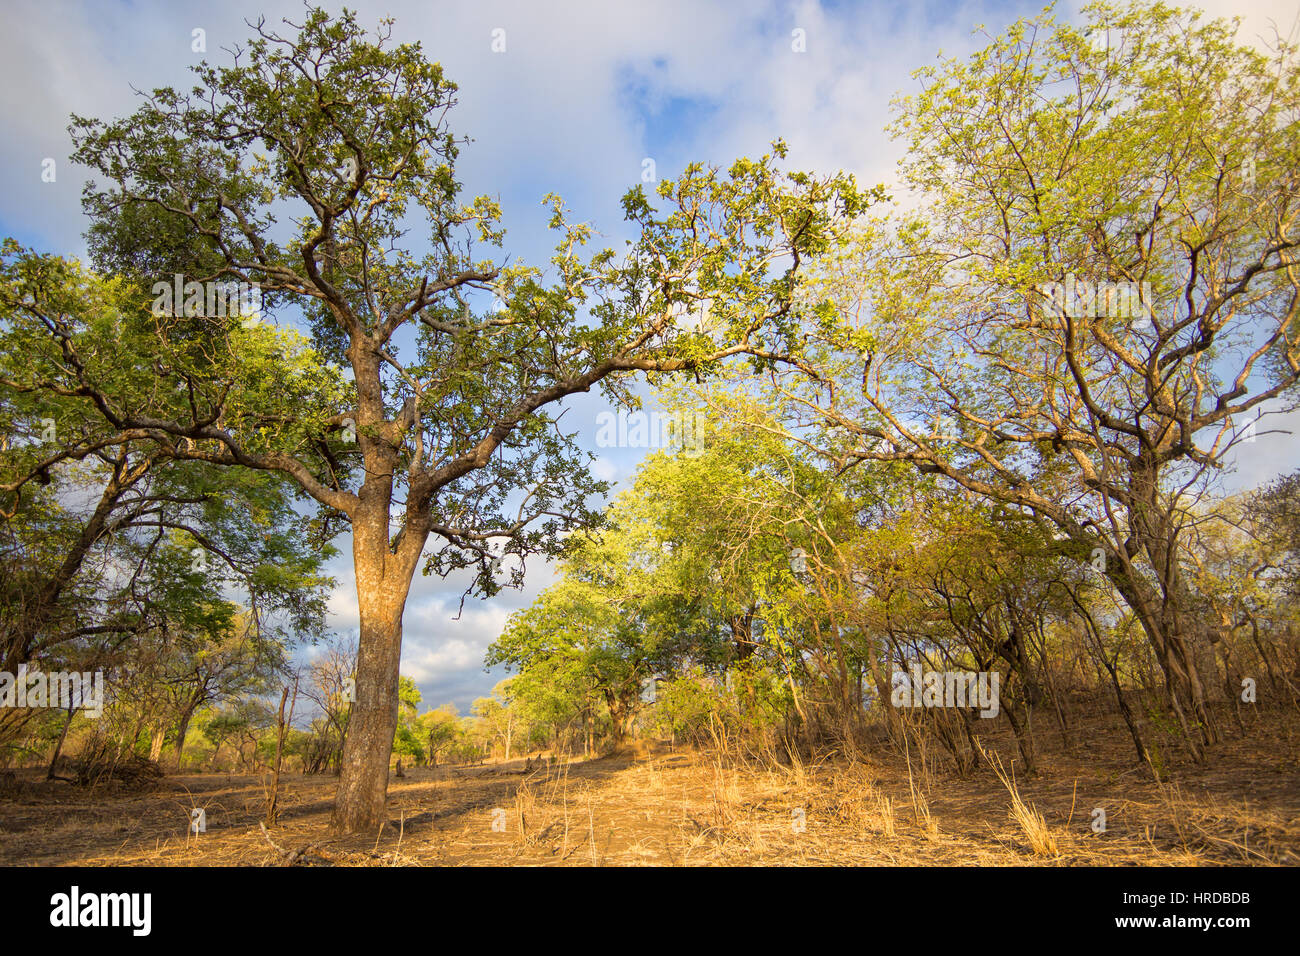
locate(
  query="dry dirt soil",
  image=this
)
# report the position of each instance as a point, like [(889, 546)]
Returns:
[(656, 806)]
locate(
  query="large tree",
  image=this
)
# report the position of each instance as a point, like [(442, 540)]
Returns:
[(301, 168)]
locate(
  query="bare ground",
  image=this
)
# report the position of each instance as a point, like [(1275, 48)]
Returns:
[(657, 807)]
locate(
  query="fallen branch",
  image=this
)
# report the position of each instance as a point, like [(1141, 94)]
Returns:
[(300, 855)]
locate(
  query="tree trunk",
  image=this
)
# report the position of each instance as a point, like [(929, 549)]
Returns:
[(1130, 720), (368, 749), (1180, 687), (156, 743), (384, 567), (1155, 531), (129, 745), (272, 801), (383, 583), (58, 747), (182, 728), (1023, 740)]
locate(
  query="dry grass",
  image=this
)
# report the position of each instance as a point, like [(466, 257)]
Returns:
[(1042, 841), (701, 809), (885, 815)]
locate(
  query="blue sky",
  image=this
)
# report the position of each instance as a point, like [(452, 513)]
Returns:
[(582, 94)]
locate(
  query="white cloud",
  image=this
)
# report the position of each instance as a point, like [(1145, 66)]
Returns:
[(1275, 450), (605, 470)]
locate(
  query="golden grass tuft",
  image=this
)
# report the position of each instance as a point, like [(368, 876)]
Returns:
[(1042, 841)]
